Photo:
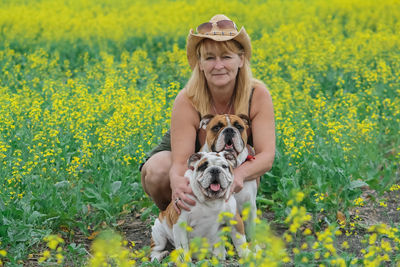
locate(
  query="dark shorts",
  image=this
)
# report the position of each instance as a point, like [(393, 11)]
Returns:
[(164, 145)]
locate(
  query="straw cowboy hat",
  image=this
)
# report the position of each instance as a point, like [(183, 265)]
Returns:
[(219, 28)]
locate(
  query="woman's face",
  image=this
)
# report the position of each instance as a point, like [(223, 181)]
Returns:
[(220, 66)]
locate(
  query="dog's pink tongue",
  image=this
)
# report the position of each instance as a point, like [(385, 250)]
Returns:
[(228, 147), (215, 187)]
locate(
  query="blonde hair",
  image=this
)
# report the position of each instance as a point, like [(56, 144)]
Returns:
[(197, 90)]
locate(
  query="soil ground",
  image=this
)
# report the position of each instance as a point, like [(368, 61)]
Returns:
[(134, 229), (371, 213)]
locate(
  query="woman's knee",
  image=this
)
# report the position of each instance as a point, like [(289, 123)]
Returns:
[(155, 172)]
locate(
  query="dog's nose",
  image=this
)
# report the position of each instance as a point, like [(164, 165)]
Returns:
[(229, 134), (229, 130), (215, 171)]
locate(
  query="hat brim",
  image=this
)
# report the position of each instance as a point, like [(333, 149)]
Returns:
[(194, 39)]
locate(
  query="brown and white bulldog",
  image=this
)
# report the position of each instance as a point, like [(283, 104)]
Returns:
[(229, 133), (210, 177)]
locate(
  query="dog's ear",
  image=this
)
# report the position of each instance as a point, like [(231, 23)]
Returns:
[(193, 159), (231, 159), (245, 119), (205, 120)]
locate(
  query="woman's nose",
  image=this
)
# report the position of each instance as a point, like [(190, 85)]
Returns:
[(218, 64)]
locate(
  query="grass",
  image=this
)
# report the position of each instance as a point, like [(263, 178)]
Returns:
[(87, 89)]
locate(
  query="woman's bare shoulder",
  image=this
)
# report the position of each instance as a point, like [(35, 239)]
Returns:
[(182, 98), (260, 89), (184, 109)]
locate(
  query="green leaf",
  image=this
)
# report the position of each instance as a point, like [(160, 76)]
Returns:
[(265, 201), (91, 193), (115, 187), (62, 184), (103, 207), (357, 184), (2, 206), (34, 216)]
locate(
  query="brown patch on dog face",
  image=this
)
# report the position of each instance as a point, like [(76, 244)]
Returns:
[(231, 160), (202, 165), (193, 159), (240, 225), (214, 128), (170, 215), (241, 125)]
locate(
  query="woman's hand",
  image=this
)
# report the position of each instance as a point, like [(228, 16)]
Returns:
[(180, 189), (237, 184)]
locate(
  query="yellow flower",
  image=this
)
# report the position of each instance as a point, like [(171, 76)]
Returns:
[(395, 187), (288, 237), (245, 213), (52, 244), (354, 261), (307, 231), (304, 260), (60, 258), (46, 254), (372, 238), (233, 222), (214, 261), (385, 245), (299, 196)]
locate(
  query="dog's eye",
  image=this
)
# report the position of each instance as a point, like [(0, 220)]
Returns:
[(225, 166), (203, 167), (216, 128), (239, 127)]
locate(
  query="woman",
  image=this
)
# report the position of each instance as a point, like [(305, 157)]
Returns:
[(221, 83)]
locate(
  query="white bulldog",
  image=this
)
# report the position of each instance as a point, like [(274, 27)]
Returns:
[(229, 133), (210, 176)]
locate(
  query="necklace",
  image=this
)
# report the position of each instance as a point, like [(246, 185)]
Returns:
[(223, 112)]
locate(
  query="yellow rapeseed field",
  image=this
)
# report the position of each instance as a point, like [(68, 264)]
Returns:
[(86, 89)]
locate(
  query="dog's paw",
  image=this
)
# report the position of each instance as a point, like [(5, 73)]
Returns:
[(219, 253), (159, 256), (245, 252)]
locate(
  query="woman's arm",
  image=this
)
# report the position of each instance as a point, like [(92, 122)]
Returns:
[(184, 125), (263, 132)]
